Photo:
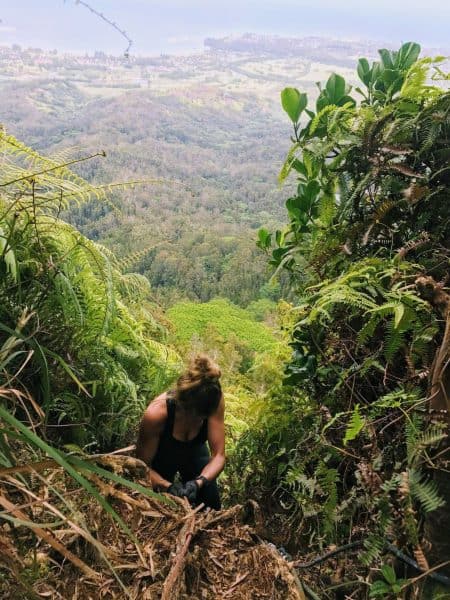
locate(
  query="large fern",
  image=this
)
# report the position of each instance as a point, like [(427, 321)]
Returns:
[(95, 327)]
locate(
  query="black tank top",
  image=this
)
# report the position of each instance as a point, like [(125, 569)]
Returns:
[(201, 436), (173, 454)]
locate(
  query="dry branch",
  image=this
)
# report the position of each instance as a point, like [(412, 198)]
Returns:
[(173, 581)]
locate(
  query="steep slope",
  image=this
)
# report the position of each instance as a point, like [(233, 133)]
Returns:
[(172, 552)]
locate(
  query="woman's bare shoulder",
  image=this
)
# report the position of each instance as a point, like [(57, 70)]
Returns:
[(156, 412)]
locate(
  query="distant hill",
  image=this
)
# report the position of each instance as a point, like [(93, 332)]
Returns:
[(332, 51), (325, 50), (208, 127), (216, 155)]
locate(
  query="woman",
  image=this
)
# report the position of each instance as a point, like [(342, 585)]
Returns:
[(174, 430)]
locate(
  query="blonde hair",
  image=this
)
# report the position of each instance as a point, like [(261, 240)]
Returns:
[(198, 388)]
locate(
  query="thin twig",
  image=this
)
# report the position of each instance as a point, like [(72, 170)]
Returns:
[(114, 25)]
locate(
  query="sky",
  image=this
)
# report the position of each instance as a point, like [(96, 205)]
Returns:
[(178, 26)]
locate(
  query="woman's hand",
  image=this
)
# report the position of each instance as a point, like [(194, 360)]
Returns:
[(191, 491), (176, 489)]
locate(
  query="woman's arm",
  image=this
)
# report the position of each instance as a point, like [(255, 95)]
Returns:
[(216, 441), (150, 430)]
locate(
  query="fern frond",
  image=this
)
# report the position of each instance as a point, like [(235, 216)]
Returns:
[(373, 545), (414, 87), (354, 426), (429, 438), (328, 479), (320, 117), (393, 340), (425, 492)]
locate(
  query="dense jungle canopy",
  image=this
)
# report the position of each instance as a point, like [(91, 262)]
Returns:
[(333, 333)]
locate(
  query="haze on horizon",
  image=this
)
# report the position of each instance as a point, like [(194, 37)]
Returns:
[(177, 26)]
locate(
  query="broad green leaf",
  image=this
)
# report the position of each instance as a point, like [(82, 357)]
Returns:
[(263, 238), (335, 88), (391, 75), (364, 70), (347, 100), (312, 190), (303, 101), (386, 58), (322, 101), (376, 70), (299, 167), (360, 91), (407, 55), (293, 103), (292, 208)]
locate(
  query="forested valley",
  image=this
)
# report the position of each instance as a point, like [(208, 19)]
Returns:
[(325, 300)]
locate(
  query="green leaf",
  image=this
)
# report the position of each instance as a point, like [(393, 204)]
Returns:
[(279, 237), (293, 103), (299, 167), (322, 101), (335, 88), (312, 190), (390, 76), (364, 71), (407, 55), (347, 100), (386, 58), (293, 208), (264, 238), (378, 589), (389, 574)]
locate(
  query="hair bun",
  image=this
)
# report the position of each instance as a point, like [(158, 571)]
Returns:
[(202, 367), (198, 388)]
